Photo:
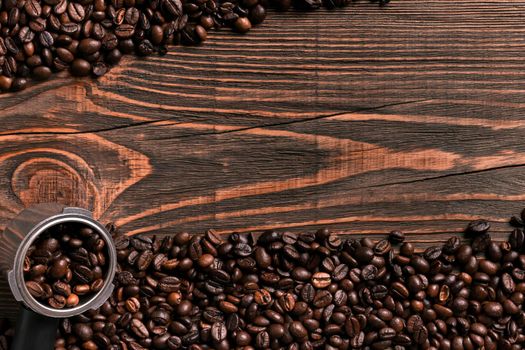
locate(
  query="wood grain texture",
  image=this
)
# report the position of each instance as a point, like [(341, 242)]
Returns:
[(366, 119)]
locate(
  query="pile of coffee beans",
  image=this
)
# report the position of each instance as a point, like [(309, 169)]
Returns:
[(86, 37), (66, 264), (308, 291)]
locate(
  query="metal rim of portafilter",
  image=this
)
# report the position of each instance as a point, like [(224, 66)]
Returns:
[(27, 226)]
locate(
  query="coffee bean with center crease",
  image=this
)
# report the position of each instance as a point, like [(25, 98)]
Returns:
[(57, 301), (321, 280), (76, 11), (35, 289), (369, 272), (420, 335), (218, 331), (138, 328)]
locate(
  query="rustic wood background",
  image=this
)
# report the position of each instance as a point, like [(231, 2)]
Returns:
[(410, 116)]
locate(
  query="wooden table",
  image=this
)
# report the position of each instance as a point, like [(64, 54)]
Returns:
[(364, 120)]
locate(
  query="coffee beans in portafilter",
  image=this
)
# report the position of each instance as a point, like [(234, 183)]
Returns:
[(301, 291), (66, 264), (87, 37)]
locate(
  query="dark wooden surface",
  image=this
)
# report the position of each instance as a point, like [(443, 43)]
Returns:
[(366, 119)]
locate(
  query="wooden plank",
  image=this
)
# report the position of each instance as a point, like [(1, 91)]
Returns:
[(364, 119)]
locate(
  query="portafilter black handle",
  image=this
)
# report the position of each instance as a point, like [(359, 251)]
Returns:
[(34, 331)]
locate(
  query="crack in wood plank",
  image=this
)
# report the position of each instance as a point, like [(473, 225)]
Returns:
[(67, 131)]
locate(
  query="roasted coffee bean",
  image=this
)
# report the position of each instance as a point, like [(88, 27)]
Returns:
[(321, 280), (493, 309), (396, 237), (57, 301), (46, 39), (80, 67), (62, 288), (382, 247), (124, 31), (478, 227), (138, 328), (35, 289), (420, 335), (41, 73), (76, 11), (33, 8), (322, 299), (218, 331), (369, 272), (89, 46)]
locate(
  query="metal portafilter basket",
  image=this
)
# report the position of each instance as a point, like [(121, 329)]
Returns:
[(36, 322)]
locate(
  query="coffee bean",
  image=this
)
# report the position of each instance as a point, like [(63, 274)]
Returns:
[(124, 31), (62, 288), (301, 274), (352, 327), (369, 272), (138, 328), (478, 226), (33, 8), (432, 253), (321, 280), (493, 309), (35, 289), (396, 237), (46, 39), (57, 301), (5, 83), (340, 272), (262, 297), (357, 341), (41, 73), (25, 35), (243, 24), (83, 331), (364, 255), (19, 84), (80, 67), (59, 268), (76, 11), (72, 300), (144, 259), (322, 299), (382, 247), (218, 331), (262, 340), (173, 7), (420, 335), (99, 69), (206, 260), (297, 330), (89, 46), (387, 333)]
